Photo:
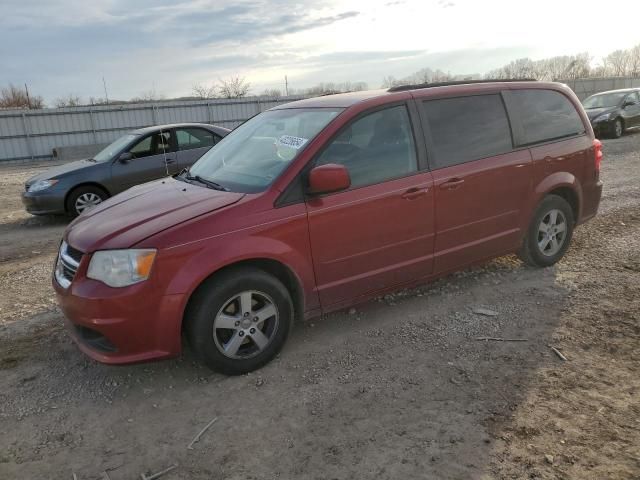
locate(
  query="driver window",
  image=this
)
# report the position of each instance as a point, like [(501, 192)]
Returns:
[(375, 148), (155, 144)]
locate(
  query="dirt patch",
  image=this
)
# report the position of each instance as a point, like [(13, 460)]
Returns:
[(400, 388)]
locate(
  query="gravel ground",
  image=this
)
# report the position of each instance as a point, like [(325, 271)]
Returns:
[(399, 388)]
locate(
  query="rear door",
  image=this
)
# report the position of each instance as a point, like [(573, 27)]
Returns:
[(193, 142), (378, 233), (481, 184), (153, 157)]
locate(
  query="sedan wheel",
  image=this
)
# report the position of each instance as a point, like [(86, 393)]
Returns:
[(86, 201), (245, 325), (618, 129)]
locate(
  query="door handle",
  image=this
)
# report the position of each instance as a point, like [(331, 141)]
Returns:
[(452, 184), (169, 160), (414, 193)]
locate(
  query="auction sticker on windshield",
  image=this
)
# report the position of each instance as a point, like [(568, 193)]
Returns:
[(291, 141)]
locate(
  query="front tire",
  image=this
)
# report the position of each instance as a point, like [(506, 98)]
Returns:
[(239, 320), (617, 129), (549, 234), (84, 198)]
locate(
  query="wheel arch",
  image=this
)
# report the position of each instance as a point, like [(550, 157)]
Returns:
[(278, 269), (565, 185)]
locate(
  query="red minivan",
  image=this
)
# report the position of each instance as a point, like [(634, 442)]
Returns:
[(322, 203)]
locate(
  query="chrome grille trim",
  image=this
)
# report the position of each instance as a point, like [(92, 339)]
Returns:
[(66, 266)]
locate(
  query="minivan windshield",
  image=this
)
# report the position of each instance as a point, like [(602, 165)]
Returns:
[(113, 148), (254, 154), (604, 100)]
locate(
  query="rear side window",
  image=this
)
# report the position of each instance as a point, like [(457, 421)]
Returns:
[(546, 115), (190, 138), (467, 128)]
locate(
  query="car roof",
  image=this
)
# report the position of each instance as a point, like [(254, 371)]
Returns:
[(155, 128), (619, 90), (345, 100)]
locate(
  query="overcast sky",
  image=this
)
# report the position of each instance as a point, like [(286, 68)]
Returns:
[(66, 46)]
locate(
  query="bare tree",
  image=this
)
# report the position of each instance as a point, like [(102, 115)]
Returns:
[(233, 87), (618, 62), (148, 96), (272, 92), (203, 91), (634, 61), (68, 101), (14, 97)]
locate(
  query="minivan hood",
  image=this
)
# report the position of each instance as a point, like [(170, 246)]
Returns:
[(61, 170), (596, 112), (142, 211)]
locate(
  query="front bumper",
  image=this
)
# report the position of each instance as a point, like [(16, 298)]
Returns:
[(602, 128), (121, 325), (43, 202)]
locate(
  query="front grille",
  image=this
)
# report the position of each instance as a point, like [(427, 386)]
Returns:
[(67, 264)]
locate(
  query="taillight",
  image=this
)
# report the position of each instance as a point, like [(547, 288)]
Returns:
[(597, 147)]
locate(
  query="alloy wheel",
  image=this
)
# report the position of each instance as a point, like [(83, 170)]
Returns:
[(86, 201), (552, 232), (245, 325)]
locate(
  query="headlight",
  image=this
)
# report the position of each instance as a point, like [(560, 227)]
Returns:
[(42, 185), (119, 268), (602, 118)]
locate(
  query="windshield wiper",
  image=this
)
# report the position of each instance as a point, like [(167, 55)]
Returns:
[(204, 181)]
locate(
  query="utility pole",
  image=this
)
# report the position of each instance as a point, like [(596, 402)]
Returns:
[(106, 95), (286, 86), (26, 89)]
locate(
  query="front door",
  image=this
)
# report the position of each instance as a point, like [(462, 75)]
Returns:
[(481, 185), (379, 232), (152, 157), (631, 112)]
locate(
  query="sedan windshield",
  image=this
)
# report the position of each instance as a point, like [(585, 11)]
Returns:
[(605, 100), (114, 148), (254, 154)]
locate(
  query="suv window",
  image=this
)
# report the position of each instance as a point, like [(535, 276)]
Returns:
[(154, 144), (189, 138), (464, 129), (375, 148), (546, 115), (632, 97)]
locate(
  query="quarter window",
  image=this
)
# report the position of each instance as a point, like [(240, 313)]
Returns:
[(190, 138), (464, 129), (375, 148), (546, 115)]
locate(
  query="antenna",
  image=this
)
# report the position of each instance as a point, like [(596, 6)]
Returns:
[(164, 151), (106, 95)]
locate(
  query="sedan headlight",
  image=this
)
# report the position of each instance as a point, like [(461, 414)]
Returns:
[(602, 118), (120, 268), (42, 185)]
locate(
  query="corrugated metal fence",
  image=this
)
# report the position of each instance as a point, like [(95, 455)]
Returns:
[(27, 135), (586, 87)]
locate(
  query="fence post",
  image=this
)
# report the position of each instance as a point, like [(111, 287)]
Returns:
[(210, 109), (154, 118), (27, 136), (93, 126)]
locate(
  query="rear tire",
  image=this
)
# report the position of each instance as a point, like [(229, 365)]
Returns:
[(549, 234), (239, 320), (84, 198)]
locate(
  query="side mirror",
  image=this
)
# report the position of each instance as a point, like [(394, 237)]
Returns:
[(628, 103), (125, 157), (328, 178)]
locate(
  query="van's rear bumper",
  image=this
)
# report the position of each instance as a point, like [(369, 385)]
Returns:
[(591, 196)]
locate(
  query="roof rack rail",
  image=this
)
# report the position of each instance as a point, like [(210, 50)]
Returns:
[(401, 88)]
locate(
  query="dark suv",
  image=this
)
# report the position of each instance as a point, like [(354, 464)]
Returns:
[(319, 204)]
